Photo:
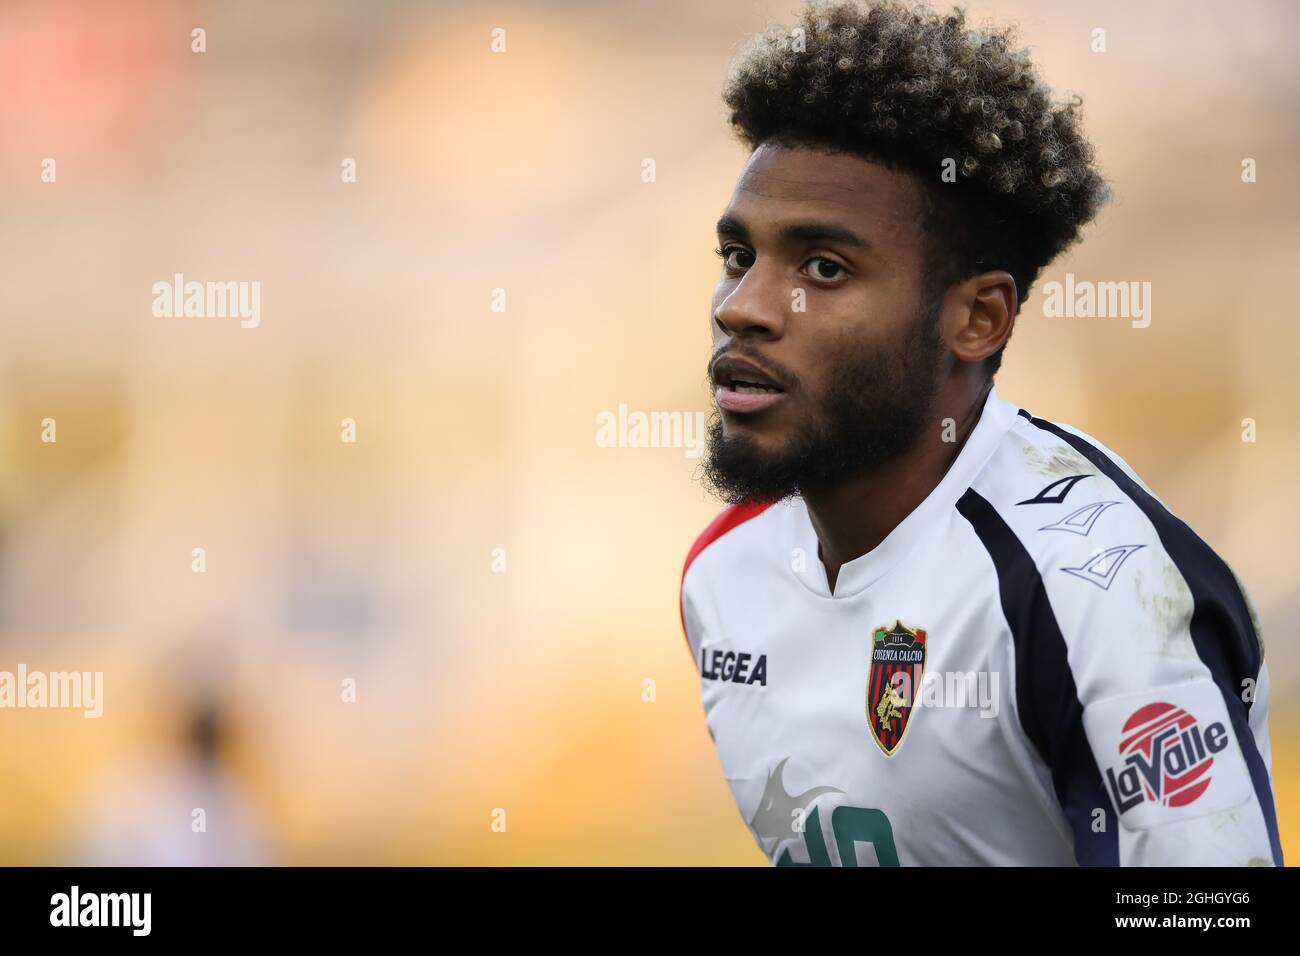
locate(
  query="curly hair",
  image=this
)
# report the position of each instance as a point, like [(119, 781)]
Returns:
[(919, 92)]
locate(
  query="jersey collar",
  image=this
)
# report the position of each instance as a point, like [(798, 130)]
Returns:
[(996, 419)]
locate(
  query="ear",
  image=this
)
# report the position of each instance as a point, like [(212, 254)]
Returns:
[(979, 315)]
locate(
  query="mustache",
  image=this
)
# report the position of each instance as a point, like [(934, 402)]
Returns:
[(787, 378)]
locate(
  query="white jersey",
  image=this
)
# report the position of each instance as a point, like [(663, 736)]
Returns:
[(1040, 665)]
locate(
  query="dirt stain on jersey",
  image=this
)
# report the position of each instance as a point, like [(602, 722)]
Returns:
[(1170, 606), (1060, 461)]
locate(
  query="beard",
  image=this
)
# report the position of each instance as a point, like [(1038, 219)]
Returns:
[(876, 405)]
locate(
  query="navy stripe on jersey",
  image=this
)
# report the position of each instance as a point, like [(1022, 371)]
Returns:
[(1221, 628), (1046, 695)]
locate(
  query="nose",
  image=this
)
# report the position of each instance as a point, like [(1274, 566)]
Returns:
[(753, 307)]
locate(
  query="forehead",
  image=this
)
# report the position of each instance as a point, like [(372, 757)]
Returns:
[(785, 183)]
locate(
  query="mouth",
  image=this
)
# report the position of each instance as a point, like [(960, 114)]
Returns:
[(743, 387)]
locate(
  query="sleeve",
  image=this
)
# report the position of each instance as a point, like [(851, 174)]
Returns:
[(1158, 738), (1140, 682)]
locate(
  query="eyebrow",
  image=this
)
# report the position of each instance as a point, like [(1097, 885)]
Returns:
[(798, 232)]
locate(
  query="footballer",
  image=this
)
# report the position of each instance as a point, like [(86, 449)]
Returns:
[(931, 626)]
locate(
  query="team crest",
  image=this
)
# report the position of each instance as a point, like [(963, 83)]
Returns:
[(893, 680)]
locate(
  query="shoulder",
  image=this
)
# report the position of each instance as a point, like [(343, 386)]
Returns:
[(723, 532), (1069, 524), (728, 520), (1067, 498), (1055, 492)]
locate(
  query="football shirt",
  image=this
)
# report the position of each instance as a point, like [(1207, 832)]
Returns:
[(1040, 665)]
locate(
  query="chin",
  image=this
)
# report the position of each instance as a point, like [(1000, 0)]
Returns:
[(763, 439)]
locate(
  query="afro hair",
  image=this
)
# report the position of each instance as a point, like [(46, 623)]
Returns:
[(1007, 178)]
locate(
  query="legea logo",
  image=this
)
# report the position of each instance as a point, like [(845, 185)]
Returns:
[(1167, 756)]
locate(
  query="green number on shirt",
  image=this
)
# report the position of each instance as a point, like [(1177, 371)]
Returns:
[(851, 825)]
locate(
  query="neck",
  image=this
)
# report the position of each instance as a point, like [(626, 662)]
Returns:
[(853, 516)]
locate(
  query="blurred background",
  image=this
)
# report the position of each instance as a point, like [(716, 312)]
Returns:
[(497, 587)]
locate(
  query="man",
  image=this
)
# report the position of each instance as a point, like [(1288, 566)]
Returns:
[(933, 628)]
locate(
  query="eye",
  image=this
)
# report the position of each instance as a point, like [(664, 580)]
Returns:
[(735, 258), (825, 269)]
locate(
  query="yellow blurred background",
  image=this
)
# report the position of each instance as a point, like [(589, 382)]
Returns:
[(497, 585)]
